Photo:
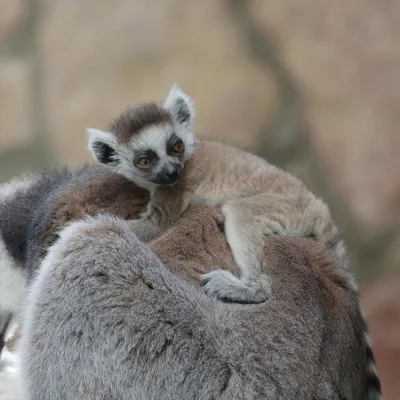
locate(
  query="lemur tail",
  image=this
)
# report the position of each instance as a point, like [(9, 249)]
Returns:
[(14, 217), (374, 389), (12, 283)]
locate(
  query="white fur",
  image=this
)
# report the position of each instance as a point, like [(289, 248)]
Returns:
[(153, 137), (10, 189), (156, 136), (103, 136), (10, 381), (12, 281), (97, 135), (176, 93), (367, 339)]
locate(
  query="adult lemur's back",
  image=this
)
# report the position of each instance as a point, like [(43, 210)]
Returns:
[(48, 204), (35, 208), (106, 319)]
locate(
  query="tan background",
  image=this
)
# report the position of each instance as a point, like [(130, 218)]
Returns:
[(312, 85)]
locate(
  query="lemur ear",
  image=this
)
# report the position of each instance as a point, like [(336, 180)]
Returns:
[(102, 146), (180, 105)]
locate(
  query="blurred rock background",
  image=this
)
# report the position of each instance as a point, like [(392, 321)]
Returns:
[(314, 86)]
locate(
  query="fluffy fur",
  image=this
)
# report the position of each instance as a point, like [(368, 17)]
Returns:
[(33, 208), (18, 200), (257, 198), (108, 319), (10, 381), (144, 129)]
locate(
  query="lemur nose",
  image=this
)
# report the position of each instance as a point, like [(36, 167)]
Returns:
[(174, 174)]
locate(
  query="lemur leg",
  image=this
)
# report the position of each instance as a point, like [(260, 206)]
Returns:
[(246, 240), (246, 222)]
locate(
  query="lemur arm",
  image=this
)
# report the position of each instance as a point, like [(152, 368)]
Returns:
[(167, 204)]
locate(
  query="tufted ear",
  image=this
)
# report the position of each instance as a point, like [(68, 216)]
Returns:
[(180, 105), (102, 146)]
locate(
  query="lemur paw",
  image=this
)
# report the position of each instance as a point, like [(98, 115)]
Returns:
[(271, 227), (224, 286)]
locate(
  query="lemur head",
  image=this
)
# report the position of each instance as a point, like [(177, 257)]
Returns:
[(148, 143)]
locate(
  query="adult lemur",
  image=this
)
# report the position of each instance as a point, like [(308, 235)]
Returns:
[(153, 146), (110, 318), (34, 208)]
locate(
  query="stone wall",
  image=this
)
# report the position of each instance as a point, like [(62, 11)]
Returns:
[(65, 65)]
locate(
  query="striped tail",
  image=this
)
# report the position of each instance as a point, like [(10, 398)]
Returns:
[(373, 389)]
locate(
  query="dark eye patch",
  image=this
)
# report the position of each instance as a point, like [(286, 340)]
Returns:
[(150, 154), (172, 141)]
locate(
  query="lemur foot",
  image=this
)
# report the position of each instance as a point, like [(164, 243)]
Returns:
[(224, 286)]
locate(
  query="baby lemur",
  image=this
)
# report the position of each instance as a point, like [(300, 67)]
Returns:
[(152, 145)]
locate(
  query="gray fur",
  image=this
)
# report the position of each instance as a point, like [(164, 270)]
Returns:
[(45, 209), (27, 204), (19, 199), (105, 319), (257, 199)]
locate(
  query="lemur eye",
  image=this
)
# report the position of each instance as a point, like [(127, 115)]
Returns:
[(178, 147), (144, 162)]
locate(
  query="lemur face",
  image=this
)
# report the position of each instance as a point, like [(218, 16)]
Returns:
[(157, 155), (149, 143)]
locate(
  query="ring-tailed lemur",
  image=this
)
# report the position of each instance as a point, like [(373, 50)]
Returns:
[(152, 145), (106, 319), (34, 208)]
